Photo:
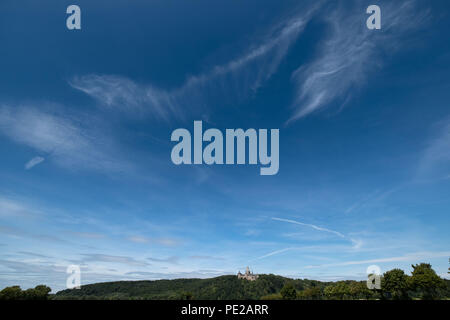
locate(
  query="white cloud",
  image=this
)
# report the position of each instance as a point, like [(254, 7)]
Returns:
[(94, 257), (357, 243), (435, 160), (244, 74), (171, 260), (124, 94), (138, 239), (54, 273), (9, 207), (311, 226), (205, 257), (414, 257), (33, 162), (88, 235), (274, 253), (169, 242), (64, 140), (345, 59), (349, 54)]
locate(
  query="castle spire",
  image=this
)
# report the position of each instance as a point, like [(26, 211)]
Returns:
[(248, 275)]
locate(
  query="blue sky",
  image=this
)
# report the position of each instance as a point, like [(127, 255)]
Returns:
[(86, 117)]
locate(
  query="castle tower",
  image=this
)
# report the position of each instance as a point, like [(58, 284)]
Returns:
[(248, 275)]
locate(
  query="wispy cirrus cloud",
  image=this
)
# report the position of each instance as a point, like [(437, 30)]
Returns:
[(88, 235), (180, 274), (350, 53), (273, 253), (171, 260), (123, 94), (34, 162), (345, 60), (356, 243), (22, 267), (242, 75), (435, 159), (34, 254), (169, 242), (62, 138), (205, 257), (12, 208), (96, 257), (310, 225), (414, 257), (19, 233)]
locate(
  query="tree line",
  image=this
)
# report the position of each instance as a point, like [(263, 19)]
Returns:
[(40, 292), (423, 283)]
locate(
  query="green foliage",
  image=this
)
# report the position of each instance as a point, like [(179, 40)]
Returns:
[(186, 296), (423, 284), (274, 296), (40, 292), (11, 293), (338, 291), (219, 288), (313, 293), (359, 290), (396, 283), (425, 280), (288, 292)]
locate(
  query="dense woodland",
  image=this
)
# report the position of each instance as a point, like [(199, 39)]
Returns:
[(423, 283)]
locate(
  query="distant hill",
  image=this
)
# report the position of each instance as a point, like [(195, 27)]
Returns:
[(219, 288), (424, 285)]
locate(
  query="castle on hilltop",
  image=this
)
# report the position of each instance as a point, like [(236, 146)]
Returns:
[(248, 275)]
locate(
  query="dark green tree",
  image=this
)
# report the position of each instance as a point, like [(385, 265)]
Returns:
[(185, 295), (328, 291), (313, 293), (342, 290), (288, 292), (395, 283), (425, 280), (41, 292), (29, 294), (11, 293), (337, 291), (359, 290)]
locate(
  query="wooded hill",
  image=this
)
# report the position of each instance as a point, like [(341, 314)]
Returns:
[(219, 288), (423, 283)]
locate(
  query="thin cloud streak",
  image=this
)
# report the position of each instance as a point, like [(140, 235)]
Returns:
[(12, 208), (435, 159), (310, 225), (407, 257), (169, 242), (171, 260), (34, 162), (273, 253), (94, 257)]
